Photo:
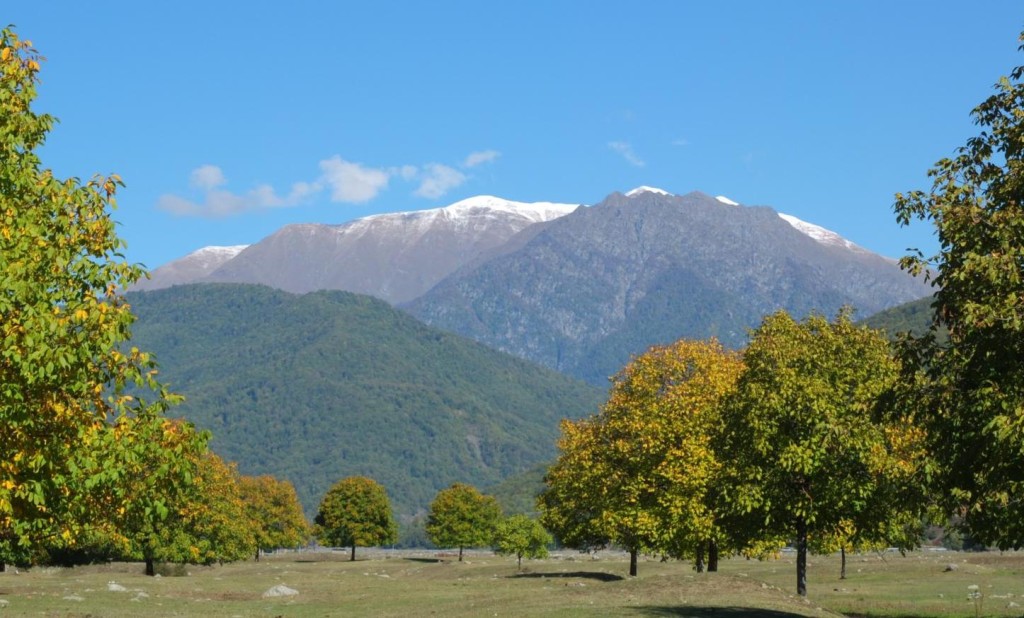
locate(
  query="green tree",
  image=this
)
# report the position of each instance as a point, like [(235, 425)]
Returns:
[(811, 451), (521, 536), (63, 323), (273, 506), (643, 472), (970, 389), (460, 516), (356, 511)]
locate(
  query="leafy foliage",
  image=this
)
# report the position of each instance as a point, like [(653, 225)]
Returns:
[(356, 512), (63, 366), (521, 536), (970, 390), (812, 455), (643, 472), (460, 516), (274, 509)]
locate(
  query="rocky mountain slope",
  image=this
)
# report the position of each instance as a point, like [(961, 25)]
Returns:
[(193, 267), (605, 282)]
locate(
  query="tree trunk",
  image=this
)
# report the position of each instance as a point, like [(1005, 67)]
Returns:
[(460, 554), (632, 562), (801, 557), (150, 566), (712, 556), (842, 562), (353, 558), (3, 566), (520, 557), (698, 559), (257, 554)]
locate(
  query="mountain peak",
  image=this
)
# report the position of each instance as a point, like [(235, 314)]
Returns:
[(646, 189), (725, 200), (225, 252)]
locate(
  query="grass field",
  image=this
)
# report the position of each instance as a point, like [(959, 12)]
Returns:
[(568, 584)]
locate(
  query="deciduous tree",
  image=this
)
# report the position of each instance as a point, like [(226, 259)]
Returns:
[(273, 506), (460, 516), (521, 536), (643, 472), (811, 450), (63, 323), (356, 511), (970, 390)]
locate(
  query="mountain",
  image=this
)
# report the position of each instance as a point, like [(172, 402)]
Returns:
[(395, 256), (315, 387), (193, 267), (593, 287), (914, 317)]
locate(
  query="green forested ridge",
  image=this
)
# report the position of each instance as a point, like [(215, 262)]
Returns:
[(914, 317), (316, 387)]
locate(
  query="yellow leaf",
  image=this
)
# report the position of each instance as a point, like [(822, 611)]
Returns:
[(5, 54)]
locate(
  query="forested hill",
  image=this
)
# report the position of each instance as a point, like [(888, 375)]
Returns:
[(914, 317), (315, 387)]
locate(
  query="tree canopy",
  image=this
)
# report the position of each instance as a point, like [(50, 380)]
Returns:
[(356, 511), (642, 473), (273, 507), (63, 324), (813, 453), (969, 391), (460, 516)]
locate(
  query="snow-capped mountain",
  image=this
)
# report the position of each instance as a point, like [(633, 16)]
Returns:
[(192, 267), (394, 256)]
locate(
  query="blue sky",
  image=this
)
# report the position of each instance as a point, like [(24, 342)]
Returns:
[(229, 120)]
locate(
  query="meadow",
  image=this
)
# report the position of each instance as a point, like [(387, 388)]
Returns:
[(426, 583)]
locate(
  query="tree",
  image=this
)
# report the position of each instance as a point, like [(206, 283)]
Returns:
[(356, 511), (460, 516), (812, 451), (970, 390), (63, 323), (273, 506), (521, 536), (643, 472)]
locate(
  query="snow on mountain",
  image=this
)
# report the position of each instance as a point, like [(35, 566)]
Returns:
[(192, 267), (820, 234), (725, 200), (479, 206), (646, 189)]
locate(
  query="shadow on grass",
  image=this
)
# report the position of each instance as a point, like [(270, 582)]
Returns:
[(428, 560), (603, 577), (720, 612)]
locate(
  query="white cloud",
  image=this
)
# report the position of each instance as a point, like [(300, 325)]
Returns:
[(352, 182), (480, 157), (207, 177), (439, 179), (347, 181), (627, 153)]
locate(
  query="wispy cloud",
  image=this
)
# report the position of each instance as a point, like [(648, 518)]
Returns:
[(479, 158), (437, 179), (346, 182), (627, 153), (680, 141), (353, 182)]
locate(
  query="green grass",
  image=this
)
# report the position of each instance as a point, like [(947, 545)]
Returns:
[(569, 584)]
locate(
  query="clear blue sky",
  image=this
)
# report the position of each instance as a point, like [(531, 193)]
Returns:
[(229, 120)]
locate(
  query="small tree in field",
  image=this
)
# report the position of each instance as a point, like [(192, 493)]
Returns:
[(356, 511), (461, 516), (521, 536), (274, 508)]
